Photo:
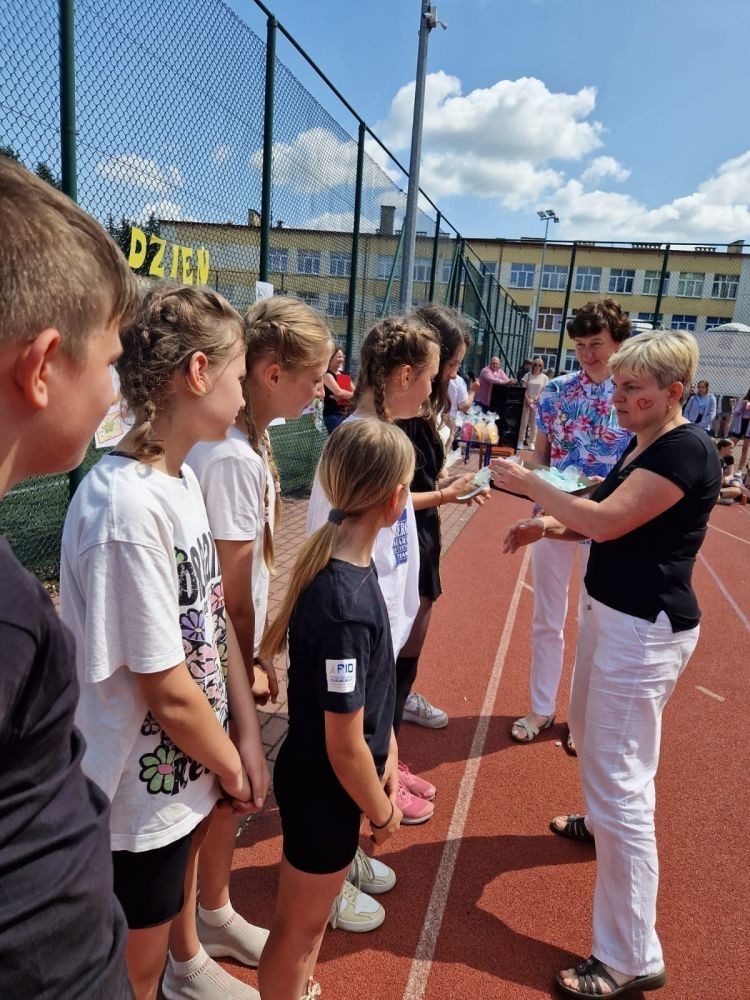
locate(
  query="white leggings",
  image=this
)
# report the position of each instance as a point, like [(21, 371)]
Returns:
[(626, 669)]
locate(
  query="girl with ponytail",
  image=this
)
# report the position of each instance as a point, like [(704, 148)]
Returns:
[(287, 351), (339, 759)]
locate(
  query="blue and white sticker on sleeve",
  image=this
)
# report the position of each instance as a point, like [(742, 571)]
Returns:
[(341, 676)]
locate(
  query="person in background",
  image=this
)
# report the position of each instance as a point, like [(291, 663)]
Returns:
[(732, 487), (461, 399), (577, 427), (334, 394), (491, 374), (639, 627), (525, 370), (724, 415), (740, 428), (533, 383), (67, 292), (700, 409)]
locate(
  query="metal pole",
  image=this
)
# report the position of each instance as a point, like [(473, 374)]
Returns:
[(435, 248), (265, 198), (563, 324), (391, 276), (427, 21), (355, 246), (538, 293), (661, 284), (68, 136)]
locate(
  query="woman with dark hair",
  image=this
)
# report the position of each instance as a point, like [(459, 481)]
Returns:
[(430, 490), (335, 395)]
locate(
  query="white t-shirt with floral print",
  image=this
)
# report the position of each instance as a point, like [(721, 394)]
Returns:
[(140, 589)]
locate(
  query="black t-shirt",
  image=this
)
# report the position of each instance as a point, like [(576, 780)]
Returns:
[(650, 569), (340, 660), (330, 403), (62, 932), (429, 457)]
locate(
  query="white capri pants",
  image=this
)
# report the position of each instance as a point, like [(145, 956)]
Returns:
[(552, 566), (626, 669)]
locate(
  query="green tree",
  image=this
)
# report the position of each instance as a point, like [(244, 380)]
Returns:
[(122, 231)]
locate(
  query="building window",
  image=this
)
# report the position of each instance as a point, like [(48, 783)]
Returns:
[(522, 275), (588, 279), (308, 262), (724, 286), (340, 264), (621, 281), (712, 321), (278, 260), (554, 277), (690, 285), (311, 299), (338, 304), (651, 283), (680, 322), (385, 263), (549, 318), (422, 268), (446, 267)]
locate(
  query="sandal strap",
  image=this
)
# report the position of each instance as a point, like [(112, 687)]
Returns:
[(591, 974), (528, 726)]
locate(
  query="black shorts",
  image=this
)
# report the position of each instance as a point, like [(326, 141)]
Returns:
[(319, 820), (149, 884)]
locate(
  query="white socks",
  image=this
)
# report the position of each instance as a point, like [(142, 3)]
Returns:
[(215, 918)]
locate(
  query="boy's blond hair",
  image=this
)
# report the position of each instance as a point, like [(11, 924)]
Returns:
[(58, 268)]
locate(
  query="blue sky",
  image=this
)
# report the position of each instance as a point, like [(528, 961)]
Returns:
[(645, 100)]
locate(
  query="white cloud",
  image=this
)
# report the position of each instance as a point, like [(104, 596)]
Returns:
[(339, 222), (317, 160), (220, 154), (602, 167), (163, 209), (139, 171)]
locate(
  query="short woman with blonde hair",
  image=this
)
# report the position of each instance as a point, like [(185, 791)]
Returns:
[(639, 626)]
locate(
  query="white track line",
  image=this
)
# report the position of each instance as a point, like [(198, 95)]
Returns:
[(717, 579), (737, 537), (425, 952)]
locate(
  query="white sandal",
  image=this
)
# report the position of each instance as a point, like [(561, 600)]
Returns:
[(529, 728)]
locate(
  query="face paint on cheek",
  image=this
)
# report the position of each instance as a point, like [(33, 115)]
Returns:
[(644, 404)]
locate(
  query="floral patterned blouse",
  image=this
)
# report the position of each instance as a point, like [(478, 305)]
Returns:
[(581, 425)]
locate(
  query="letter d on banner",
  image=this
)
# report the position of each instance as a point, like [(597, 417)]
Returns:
[(137, 255)]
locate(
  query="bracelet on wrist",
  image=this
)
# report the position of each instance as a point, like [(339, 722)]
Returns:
[(382, 826)]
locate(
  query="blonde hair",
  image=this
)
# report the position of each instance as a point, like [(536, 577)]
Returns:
[(291, 334), (58, 268), (669, 355), (361, 466), (390, 344), (173, 323)]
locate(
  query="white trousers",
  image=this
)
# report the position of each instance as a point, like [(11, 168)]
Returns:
[(552, 564), (626, 669), (528, 420)]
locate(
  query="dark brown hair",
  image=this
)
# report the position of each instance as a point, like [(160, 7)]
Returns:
[(58, 268), (451, 331), (594, 316)]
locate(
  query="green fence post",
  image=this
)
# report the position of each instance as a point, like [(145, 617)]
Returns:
[(451, 277), (392, 275), (435, 249), (355, 246), (265, 198), (68, 138), (663, 275), (563, 322)]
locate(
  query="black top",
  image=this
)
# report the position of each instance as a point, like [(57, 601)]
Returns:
[(340, 660), (331, 405), (430, 458), (62, 933), (650, 569)]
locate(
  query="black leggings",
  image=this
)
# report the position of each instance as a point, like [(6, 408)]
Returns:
[(408, 659)]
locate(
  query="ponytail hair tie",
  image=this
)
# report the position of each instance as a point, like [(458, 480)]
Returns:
[(336, 516)]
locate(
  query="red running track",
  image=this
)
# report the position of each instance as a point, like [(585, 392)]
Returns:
[(489, 904)]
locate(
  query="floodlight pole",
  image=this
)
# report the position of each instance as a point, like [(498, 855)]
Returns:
[(546, 216), (427, 21)]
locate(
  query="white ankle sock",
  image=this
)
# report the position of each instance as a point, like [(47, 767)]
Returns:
[(215, 918), (192, 965)]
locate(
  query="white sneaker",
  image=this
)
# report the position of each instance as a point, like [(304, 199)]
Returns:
[(207, 981), (418, 710), (355, 911), (370, 875), (236, 938)]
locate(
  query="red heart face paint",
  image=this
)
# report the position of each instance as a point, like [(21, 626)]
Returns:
[(644, 404)]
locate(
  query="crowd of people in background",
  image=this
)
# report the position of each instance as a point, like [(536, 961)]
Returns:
[(116, 848)]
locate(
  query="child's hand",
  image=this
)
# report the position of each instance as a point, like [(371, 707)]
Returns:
[(256, 766), (459, 487), (380, 836), (237, 788), (265, 683)]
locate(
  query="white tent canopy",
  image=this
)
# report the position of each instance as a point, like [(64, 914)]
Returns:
[(725, 358)]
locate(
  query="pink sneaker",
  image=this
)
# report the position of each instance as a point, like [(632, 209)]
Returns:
[(417, 786), (414, 809)]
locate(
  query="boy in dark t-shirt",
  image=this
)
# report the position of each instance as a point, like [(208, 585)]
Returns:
[(66, 292)]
